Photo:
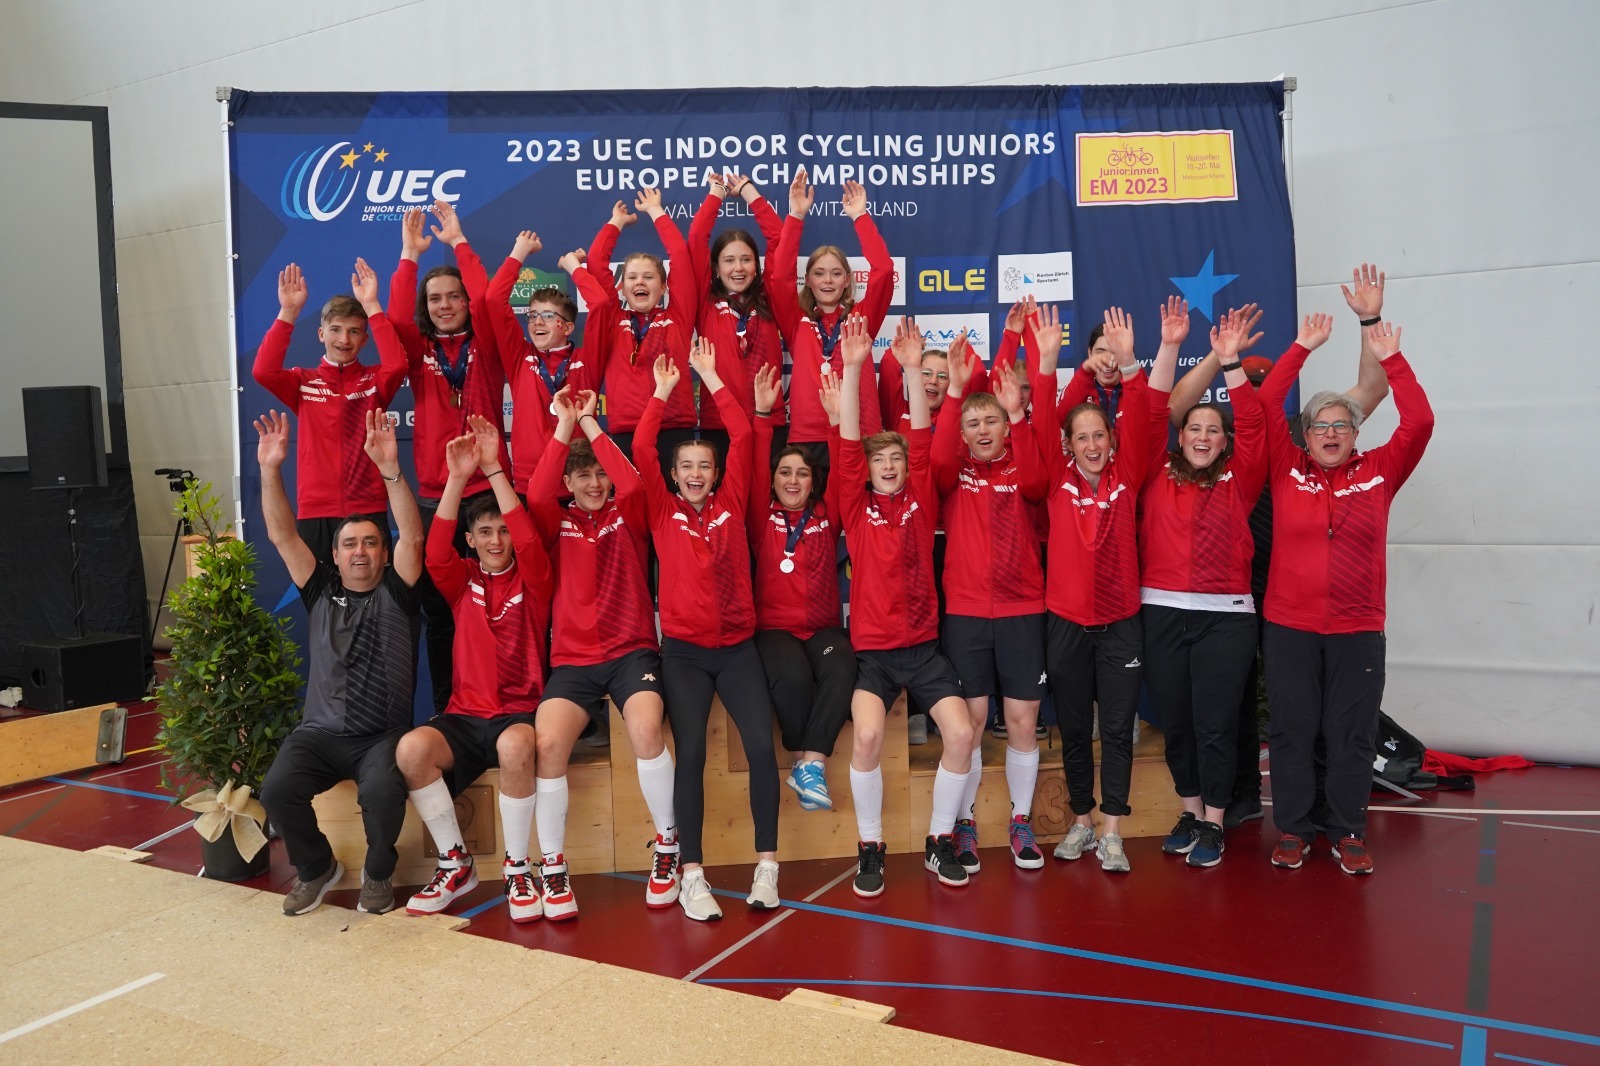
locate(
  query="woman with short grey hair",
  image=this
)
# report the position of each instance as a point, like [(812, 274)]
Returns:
[(1326, 592)]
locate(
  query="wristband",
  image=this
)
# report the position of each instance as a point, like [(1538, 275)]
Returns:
[(763, 414), (1373, 321), (1235, 365), (492, 473), (587, 415), (1130, 369), (397, 477)]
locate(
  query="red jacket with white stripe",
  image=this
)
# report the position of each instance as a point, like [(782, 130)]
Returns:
[(1330, 527), (625, 358), (706, 596), (893, 603), (808, 422), (1194, 538), (441, 412), (602, 600), (525, 369), (805, 598), (333, 476), (501, 620), (1093, 555), (744, 347), (991, 562)]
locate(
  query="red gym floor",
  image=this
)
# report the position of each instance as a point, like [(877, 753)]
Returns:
[(1477, 941)]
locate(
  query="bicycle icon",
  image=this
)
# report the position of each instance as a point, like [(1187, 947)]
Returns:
[(1129, 156)]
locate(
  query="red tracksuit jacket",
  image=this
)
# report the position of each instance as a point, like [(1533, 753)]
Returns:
[(892, 385), (1093, 554), (991, 562), (808, 422), (526, 369), (1330, 527), (744, 345), (441, 414), (892, 599), (624, 353), (1197, 539), (602, 602), (333, 476), (501, 620), (804, 599), (705, 554)]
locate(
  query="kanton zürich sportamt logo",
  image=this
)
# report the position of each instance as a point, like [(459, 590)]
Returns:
[(321, 182)]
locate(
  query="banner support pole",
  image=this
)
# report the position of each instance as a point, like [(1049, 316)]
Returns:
[(1290, 84), (224, 95)]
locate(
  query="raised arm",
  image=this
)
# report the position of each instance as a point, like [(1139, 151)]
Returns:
[(624, 478), (381, 448), (739, 473), (1364, 295), (392, 366), (907, 351), (544, 486), (447, 569), (767, 393), (1031, 478), (783, 293), (645, 457), (1174, 331), (700, 228), (855, 348), (1281, 449), (880, 277), (276, 513), (605, 242), (509, 337), (1404, 449), (268, 370), (1044, 340), (414, 240)]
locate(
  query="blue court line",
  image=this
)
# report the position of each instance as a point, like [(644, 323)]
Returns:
[(1519, 1058), (109, 788), (480, 908), (808, 982), (1454, 1017)]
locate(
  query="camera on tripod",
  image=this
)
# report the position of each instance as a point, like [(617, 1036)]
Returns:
[(177, 479)]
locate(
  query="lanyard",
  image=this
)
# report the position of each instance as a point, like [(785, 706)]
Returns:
[(454, 373), (794, 531), (830, 337), (552, 382)]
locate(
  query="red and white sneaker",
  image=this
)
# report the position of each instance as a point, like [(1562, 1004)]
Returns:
[(661, 890), (454, 878), (559, 903), (522, 892)]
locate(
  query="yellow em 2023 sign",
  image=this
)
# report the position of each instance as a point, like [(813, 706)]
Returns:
[(1156, 168)]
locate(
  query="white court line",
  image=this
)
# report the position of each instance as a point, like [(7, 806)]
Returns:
[(23, 1030), (1562, 828), (1478, 811), (695, 973), (30, 795), (102, 777)]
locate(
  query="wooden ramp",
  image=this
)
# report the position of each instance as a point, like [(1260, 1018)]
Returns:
[(107, 960)]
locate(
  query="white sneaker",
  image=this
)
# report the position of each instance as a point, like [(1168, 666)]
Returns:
[(764, 889), (522, 893), (1113, 860), (695, 897), (1079, 839)]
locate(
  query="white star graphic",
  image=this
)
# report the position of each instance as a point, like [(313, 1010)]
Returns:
[(648, 677), (1042, 678)]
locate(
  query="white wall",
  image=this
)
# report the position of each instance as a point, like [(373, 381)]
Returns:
[(1454, 142)]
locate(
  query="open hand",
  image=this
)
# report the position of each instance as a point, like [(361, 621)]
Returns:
[(380, 444), (801, 195), (621, 217), (854, 199), (1174, 321), (461, 456), (527, 244), (1366, 299), (767, 383), (855, 343), (273, 447), (291, 289), (1314, 330), (1385, 340), (449, 228)]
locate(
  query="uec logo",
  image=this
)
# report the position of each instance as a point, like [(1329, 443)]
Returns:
[(310, 194)]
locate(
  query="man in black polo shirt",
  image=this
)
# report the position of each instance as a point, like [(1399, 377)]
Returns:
[(362, 626)]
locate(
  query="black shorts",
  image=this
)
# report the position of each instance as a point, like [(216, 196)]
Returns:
[(472, 744), (620, 678), (996, 656), (922, 670)]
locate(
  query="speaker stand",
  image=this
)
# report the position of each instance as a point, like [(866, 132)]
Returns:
[(72, 540)]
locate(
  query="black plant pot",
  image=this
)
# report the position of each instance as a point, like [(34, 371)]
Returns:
[(223, 863)]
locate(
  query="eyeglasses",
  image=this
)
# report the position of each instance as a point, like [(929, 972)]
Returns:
[(1338, 429), (548, 316), (930, 375)]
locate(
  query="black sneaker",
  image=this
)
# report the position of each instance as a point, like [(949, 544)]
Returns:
[(1246, 808), (869, 869), (1181, 840), (939, 856)]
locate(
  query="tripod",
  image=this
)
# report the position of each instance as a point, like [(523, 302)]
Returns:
[(177, 481)]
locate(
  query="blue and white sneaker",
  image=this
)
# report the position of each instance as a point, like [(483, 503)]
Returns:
[(799, 781), (1181, 840), (816, 786), (1207, 850)]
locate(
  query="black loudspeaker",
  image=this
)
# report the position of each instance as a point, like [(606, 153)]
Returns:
[(58, 675), (66, 437)]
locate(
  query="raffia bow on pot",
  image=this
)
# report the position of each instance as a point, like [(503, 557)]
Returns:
[(231, 806)]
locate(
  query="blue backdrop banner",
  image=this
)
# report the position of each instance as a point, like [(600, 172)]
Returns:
[(1082, 196)]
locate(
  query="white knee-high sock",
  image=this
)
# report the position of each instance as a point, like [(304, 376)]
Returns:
[(866, 790), (1022, 774), (438, 812), (551, 817), (655, 782), (947, 791), (516, 819), (969, 795)]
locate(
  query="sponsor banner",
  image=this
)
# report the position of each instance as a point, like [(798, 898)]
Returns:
[(1156, 168), (1046, 276), (531, 279), (938, 331)]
